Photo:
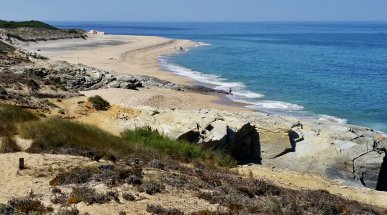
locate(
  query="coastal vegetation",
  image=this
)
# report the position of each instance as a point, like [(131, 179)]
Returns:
[(11, 116), (30, 24), (10, 119), (32, 31), (232, 192), (9, 145), (65, 136), (175, 149), (99, 103)]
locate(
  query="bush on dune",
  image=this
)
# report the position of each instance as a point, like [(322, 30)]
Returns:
[(99, 103)]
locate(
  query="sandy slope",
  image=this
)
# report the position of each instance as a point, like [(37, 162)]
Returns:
[(41, 168), (303, 180)]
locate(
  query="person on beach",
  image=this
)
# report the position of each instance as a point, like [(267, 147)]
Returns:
[(230, 91)]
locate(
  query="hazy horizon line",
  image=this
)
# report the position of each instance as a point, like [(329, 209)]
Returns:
[(192, 21)]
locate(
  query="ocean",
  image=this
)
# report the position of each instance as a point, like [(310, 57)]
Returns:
[(333, 71)]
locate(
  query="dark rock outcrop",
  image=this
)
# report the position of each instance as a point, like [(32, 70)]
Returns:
[(382, 178), (243, 144)]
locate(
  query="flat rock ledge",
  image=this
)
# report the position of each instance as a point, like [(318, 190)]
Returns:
[(344, 152)]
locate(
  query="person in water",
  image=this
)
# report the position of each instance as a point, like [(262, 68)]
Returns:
[(230, 91)]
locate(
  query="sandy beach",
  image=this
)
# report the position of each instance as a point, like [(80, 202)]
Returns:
[(135, 55)]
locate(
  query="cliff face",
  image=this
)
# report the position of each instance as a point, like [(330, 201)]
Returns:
[(339, 151)]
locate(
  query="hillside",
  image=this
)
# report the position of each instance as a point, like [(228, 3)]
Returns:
[(30, 24), (27, 31)]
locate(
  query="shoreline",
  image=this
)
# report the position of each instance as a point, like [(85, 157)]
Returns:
[(322, 146), (135, 55), (310, 116), (149, 50)]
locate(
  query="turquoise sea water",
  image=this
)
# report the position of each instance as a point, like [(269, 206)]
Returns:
[(327, 70)]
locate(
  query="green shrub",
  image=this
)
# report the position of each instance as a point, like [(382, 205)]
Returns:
[(99, 103), (77, 175), (151, 188), (68, 211), (128, 197), (31, 24), (158, 209), (28, 205), (175, 149), (64, 136), (9, 145), (90, 196), (73, 31)]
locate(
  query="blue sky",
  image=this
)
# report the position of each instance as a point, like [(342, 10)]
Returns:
[(194, 10)]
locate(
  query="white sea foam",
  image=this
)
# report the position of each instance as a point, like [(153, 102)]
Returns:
[(275, 105), (239, 92), (202, 44), (218, 82), (324, 117)]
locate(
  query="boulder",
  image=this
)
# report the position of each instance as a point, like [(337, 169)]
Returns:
[(127, 85), (366, 168), (273, 142), (242, 144), (214, 134), (115, 84)]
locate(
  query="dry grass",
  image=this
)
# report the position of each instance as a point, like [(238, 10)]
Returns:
[(11, 117), (56, 135), (8, 145), (63, 136), (178, 150)]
